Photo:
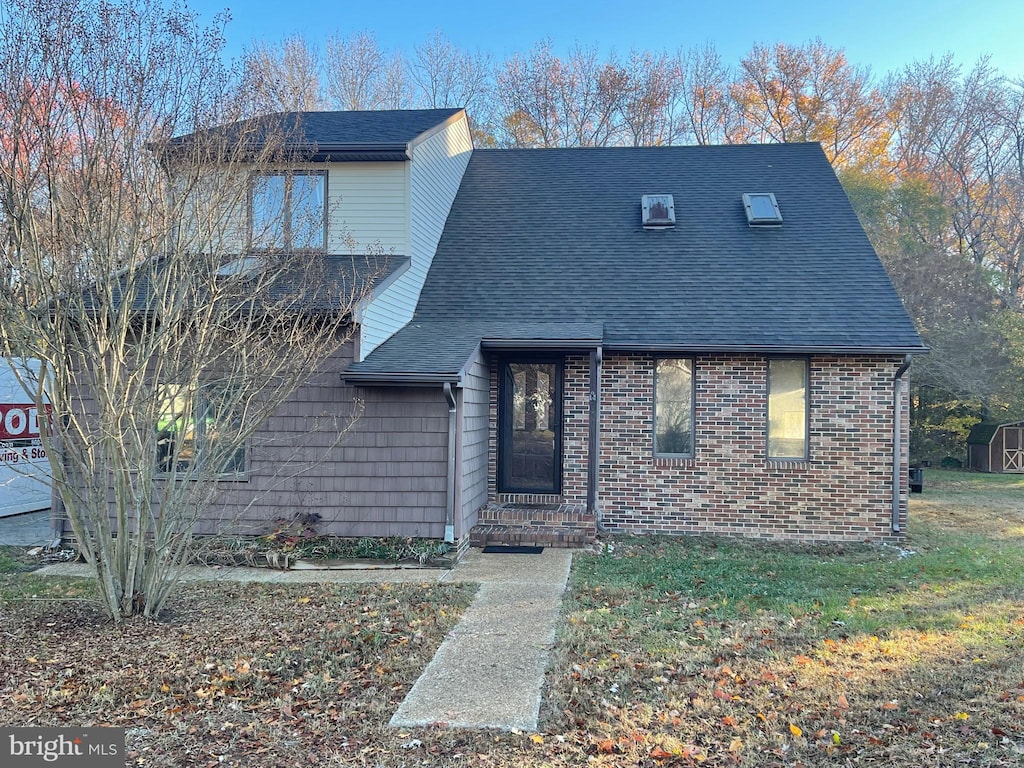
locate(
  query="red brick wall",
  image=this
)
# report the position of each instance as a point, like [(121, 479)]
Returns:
[(841, 493), (576, 429)]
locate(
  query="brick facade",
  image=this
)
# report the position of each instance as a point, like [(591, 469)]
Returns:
[(842, 492)]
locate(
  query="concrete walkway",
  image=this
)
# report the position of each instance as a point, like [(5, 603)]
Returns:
[(489, 671)]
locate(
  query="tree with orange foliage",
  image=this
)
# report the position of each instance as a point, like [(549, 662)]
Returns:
[(810, 92)]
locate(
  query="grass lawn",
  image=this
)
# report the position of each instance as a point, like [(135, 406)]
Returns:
[(730, 653), (672, 652)]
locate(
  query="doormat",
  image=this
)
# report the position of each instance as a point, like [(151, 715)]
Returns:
[(509, 549)]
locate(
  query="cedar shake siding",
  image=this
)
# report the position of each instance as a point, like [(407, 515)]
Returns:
[(842, 492), (386, 477)]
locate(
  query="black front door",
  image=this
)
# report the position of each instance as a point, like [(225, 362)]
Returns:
[(530, 426)]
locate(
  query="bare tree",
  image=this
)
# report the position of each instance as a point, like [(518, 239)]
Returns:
[(1010, 236), (282, 78), (551, 102), (651, 86), (362, 76), (528, 91), (446, 76), (707, 108), (173, 304), (963, 133)]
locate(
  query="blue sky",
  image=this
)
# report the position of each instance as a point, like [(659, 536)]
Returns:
[(885, 34)]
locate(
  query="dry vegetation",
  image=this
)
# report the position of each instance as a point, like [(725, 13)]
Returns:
[(673, 652), (704, 651)]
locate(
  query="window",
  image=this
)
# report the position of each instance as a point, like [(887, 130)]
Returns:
[(288, 212), (673, 407), (195, 429), (761, 208), (787, 409)]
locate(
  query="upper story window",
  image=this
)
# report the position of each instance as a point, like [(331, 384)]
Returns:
[(289, 211), (673, 407), (787, 408)]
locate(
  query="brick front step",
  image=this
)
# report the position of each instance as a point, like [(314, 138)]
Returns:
[(541, 525)]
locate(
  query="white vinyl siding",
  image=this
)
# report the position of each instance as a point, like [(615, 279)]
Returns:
[(473, 450), (367, 207), (434, 175), (214, 214)]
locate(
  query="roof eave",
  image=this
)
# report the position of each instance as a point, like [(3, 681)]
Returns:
[(400, 379), (567, 344), (340, 153), (769, 349)]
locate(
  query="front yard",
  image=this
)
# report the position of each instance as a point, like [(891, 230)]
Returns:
[(672, 652)]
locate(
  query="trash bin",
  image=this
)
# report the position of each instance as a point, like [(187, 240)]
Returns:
[(916, 479)]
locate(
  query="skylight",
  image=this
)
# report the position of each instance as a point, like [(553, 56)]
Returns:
[(761, 208), (244, 266), (658, 211)]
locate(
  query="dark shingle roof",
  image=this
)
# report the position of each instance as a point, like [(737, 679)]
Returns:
[(319, 284), (554, 237), (437, 350), (982, 434), (338, 136)]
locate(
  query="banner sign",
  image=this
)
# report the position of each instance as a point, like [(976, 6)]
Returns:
[(19, 421)]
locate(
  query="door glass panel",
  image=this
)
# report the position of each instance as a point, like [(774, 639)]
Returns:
[(531, 445)]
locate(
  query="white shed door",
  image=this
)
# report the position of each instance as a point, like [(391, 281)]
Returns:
[(1013, 449)]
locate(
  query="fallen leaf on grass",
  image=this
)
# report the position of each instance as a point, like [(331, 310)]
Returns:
[(796, 730)]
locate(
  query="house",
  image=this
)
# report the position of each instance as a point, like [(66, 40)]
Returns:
[(996, 447), (663, 339)]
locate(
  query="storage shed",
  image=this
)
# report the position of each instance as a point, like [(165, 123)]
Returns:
[(996, 447)]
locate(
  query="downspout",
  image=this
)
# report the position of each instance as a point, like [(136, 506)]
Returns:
[(594, 458), (449, 510), (897, 441)]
